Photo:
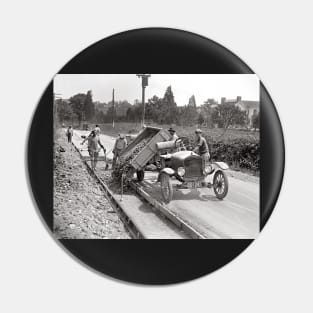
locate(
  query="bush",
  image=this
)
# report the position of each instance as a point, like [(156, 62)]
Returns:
[(239, 154)]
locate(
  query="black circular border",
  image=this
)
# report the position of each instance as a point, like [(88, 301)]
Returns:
[(154, 50)]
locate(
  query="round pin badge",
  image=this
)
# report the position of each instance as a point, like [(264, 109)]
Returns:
[(155, 156)]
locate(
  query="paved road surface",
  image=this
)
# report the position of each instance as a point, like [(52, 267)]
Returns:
[(237, 216)]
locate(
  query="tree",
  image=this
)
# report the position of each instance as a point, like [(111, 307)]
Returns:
[(89, 107), (168, 107), (226, 115), (153, 109), (77, 103), (191, 111), (130, 115), (256, 121), (201, 119), (162, 110), (207, 111), (134, 113), (192, 101), (182, 116), (63, 110), (99, 116), (111, 113), (159, 110)]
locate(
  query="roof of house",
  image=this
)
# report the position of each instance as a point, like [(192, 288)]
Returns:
[(248, 105)]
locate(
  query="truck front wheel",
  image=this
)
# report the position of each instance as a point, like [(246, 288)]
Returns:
[(166, 188), (220, 185)]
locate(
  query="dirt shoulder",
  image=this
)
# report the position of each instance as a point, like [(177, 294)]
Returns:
[(81, 210)]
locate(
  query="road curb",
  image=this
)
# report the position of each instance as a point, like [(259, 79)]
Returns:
[(118, 207), (162, 210)]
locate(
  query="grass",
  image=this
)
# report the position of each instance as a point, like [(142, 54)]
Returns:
[(216, 134)]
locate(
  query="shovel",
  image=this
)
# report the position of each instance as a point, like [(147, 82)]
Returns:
[(105, 160)]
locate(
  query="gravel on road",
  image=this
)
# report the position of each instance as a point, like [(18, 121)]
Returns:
[(81, 210)]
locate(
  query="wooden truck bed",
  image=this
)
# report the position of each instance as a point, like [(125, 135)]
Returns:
[(153, 135)]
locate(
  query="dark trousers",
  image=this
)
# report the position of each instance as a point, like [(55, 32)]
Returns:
[(69, 138)]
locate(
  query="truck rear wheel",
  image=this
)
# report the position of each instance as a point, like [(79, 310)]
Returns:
[(166, 188)]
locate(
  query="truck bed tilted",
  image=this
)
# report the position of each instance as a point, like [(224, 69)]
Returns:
[(151, 136)]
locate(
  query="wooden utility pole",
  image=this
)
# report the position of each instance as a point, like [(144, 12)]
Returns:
[(113, 108), (144, 84)]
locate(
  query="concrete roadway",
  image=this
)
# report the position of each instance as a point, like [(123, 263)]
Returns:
[(237, 216)]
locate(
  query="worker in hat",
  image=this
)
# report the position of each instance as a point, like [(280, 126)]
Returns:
[(173, 134), (173, 137), (94, 147), (119, 146), (202, 147), (97, 130)]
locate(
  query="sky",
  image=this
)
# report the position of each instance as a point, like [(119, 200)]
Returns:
[(128, 86)]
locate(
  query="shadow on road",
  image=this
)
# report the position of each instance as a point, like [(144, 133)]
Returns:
[(193, 194)]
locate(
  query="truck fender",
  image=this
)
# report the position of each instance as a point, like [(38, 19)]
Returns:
[(221, 165), (167, 170)]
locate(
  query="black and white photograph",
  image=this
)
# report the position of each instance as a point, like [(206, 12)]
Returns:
[(158, 120), (156, 156)]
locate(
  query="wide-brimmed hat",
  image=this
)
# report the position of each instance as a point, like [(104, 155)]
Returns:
[(198, 131), (171, 130)]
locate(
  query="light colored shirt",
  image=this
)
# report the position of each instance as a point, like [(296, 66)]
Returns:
[(94, 143), (202, 146), (120, 144), (69, 131), (173, 137)]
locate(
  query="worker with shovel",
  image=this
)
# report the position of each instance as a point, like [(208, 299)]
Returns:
[(119, 146), (94, 147)]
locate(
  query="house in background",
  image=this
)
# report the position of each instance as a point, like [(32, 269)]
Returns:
[(252, 108)]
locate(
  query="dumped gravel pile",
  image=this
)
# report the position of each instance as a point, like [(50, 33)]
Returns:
[(124, 166), (80, 209)]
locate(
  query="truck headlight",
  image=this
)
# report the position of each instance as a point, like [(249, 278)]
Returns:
[(181, 171), (207, 170)]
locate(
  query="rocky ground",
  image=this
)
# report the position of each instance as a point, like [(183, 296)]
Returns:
[(81, 210)]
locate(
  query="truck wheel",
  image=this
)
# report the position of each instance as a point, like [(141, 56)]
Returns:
[(166, 188), (140, 175), (220, 185)]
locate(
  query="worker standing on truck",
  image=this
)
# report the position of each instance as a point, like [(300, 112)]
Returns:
[(94, 147), (173, 137), (202, 147), (173, 134), (69, 134), (119, 146)]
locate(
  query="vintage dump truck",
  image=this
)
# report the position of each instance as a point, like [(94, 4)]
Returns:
[(192, 172), (182, 165), (150, 136)]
